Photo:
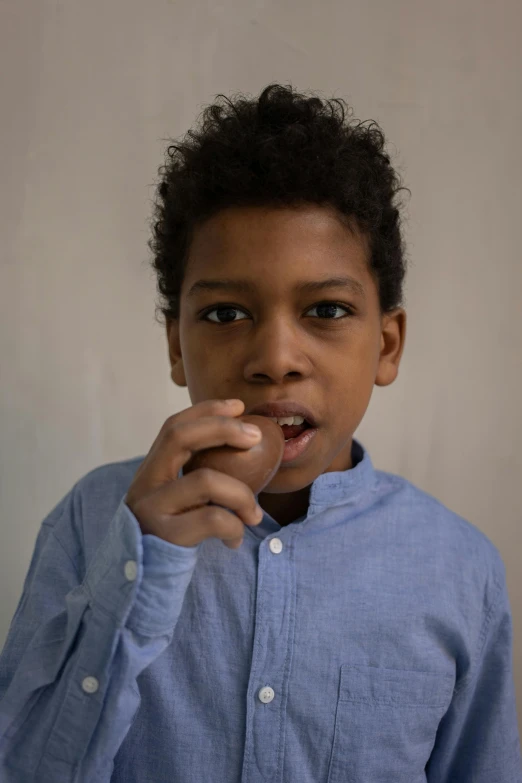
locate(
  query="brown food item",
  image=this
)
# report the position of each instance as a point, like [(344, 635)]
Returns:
[(255, 466)]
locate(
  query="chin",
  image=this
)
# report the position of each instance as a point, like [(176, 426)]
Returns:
[(289, 478)]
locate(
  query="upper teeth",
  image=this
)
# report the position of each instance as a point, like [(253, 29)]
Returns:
[(288, 420)]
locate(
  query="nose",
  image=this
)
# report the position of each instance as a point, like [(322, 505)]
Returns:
[(275, 350)]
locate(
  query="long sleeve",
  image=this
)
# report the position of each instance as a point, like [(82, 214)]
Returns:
[(78, 640), (478, 738)]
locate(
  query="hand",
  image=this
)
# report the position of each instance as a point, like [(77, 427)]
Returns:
[(179, 510)]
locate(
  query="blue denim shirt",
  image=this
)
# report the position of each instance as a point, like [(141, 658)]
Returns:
[(369, 641)]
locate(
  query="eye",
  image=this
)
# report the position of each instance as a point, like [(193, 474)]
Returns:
[(230, 309), (222, 309), (332, 306)]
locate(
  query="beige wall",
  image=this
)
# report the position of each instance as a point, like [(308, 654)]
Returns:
[(90, 90)]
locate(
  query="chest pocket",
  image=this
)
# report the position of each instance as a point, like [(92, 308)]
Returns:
[(386, 722)]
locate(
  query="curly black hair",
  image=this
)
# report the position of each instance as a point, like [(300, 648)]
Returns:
[(283, 149)]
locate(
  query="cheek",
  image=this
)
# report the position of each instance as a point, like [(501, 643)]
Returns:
[(361, 359), (199, 358), (367, 351), (206, 374), (353, 382)]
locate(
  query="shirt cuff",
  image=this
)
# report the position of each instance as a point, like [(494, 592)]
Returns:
[(140, 580), (167, 571)]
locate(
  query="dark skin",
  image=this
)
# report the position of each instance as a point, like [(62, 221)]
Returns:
[(280, 343)]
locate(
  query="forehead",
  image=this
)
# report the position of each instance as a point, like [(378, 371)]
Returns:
[(289, 240)]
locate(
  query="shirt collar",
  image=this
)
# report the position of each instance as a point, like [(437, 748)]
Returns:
[(351, 489), (340, 487)]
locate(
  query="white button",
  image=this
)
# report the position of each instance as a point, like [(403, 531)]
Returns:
[(90, 684), (266, 694), (131, 570), (276, 545)]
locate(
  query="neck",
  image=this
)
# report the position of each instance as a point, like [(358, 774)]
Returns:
[(285, 508)]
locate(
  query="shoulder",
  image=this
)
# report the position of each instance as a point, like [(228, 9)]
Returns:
[(101, 491), (108, 482), (443, 531), (81, 519)]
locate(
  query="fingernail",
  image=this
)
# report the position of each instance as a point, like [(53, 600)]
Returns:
[(232, 401)]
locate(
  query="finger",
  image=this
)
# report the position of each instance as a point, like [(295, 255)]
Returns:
[(226, 408), (201, 487), (194, 526), (230, 408), (188, 437)]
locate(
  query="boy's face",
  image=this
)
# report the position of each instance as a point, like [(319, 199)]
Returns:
[(275, 345)]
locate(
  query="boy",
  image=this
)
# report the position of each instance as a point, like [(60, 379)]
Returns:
[(362, 631)]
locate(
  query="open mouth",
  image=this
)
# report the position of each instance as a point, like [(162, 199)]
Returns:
[(298, 432), (294, 430)]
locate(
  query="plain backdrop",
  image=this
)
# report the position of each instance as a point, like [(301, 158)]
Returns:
[(90, 93)]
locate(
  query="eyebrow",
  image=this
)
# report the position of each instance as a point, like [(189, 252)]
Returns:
[(307, 286)]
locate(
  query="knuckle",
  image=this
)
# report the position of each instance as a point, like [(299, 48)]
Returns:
[(214, 516), (170, 422), (174, 438), (172, 430), (205, 479)]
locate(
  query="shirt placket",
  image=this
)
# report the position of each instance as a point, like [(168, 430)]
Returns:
[(271, 660)]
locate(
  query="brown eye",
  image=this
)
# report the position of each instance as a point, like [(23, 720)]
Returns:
[(226, 309), (330, 308)]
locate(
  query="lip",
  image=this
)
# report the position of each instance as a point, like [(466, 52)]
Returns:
[(295, 447), (283, 408)]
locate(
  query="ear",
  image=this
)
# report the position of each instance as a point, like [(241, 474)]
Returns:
[(177, 371), (393, 335)]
